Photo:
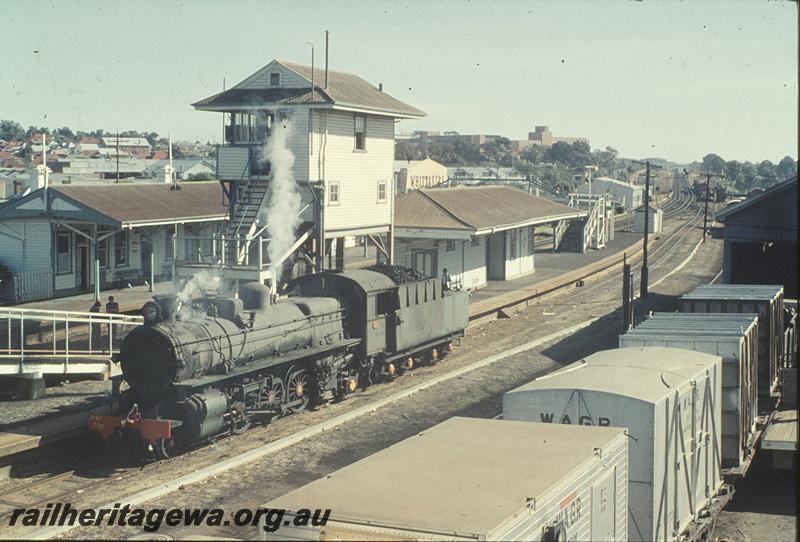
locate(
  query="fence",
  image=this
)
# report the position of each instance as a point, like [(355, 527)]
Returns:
[(32, 286)]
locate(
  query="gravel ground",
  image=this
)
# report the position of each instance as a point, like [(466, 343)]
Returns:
[(477, 393), (65, 398)]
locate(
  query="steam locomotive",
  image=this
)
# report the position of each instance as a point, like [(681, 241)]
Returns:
[(216, 365)]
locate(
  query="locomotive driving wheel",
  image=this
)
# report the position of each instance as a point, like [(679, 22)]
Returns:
[(298, 389)]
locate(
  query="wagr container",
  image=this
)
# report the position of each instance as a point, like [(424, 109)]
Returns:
[(734, 337), (764, 300), (669, 401), (475, 479)]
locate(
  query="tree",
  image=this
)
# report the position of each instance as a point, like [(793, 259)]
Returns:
[(786, 168), (10, 130), (406, 150), (533, 154), (714, 163), (559, 152), (605, 160), (733, 172), (766, 172), (748, 176)]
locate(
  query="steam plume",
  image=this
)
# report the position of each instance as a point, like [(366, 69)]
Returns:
[(283, 212)]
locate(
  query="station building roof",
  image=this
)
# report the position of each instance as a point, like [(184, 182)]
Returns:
[(473, 211), (122, 205)]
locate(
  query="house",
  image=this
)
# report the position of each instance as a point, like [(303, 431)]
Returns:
[(342, 138), (134, 146), (625, 194), (761, 238), (477, 234), (415, 174), (52, 240)]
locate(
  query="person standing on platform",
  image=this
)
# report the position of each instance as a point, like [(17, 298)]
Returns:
[(112, 307)]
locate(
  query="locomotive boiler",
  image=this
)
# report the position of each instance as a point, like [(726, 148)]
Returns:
[(215, 365)]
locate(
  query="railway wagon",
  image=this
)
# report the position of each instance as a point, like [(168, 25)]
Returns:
[(764, 300), (668, 401), (734, 337), (474, 479)]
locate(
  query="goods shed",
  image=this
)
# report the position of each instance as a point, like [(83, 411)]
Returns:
[(761, 239)]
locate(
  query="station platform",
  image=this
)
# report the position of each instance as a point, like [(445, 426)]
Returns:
[(130, 299)]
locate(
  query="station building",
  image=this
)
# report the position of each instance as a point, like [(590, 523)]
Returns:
[(627, 195), (476, 234), (51, 238), (761, 239)]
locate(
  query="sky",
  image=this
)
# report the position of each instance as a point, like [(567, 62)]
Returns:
[(666, 79)]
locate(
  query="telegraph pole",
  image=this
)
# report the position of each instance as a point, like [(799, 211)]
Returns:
[(644, 281), (708, 196), (643, 285)]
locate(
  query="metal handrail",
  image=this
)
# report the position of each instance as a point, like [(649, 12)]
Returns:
[(17, 317)]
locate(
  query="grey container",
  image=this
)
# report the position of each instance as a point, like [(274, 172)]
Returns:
[(764, 300), (734, 337), (475, 479), (668, 399)]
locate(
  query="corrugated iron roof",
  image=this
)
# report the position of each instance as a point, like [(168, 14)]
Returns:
[(749, 202), (735, 291), (478, 208), (137, 203), (344, 89)]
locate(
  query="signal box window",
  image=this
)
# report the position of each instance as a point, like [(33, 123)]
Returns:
[(381, 191), (361, 132), (333, 194)]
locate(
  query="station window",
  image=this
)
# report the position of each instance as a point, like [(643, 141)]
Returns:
[(360, 131), (381, 191), (63, 253), (474, 241), (333, 194), (275, 79), (512, 241), (121, 249), (102, 253), (450, 245)]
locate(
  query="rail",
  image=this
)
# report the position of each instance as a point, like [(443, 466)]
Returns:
[(52, 338)]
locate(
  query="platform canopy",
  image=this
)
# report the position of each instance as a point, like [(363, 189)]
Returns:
[(464, 212)]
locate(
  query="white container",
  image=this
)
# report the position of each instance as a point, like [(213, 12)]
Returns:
[(668, 399), (475, 479), (734, 337), (764, 300)]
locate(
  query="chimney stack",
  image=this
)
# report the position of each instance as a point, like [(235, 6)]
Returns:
[(380, 87)]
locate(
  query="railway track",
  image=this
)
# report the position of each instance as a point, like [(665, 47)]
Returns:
[(62, 487)]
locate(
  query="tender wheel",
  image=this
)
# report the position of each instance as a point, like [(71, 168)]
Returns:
[(297, 389)]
